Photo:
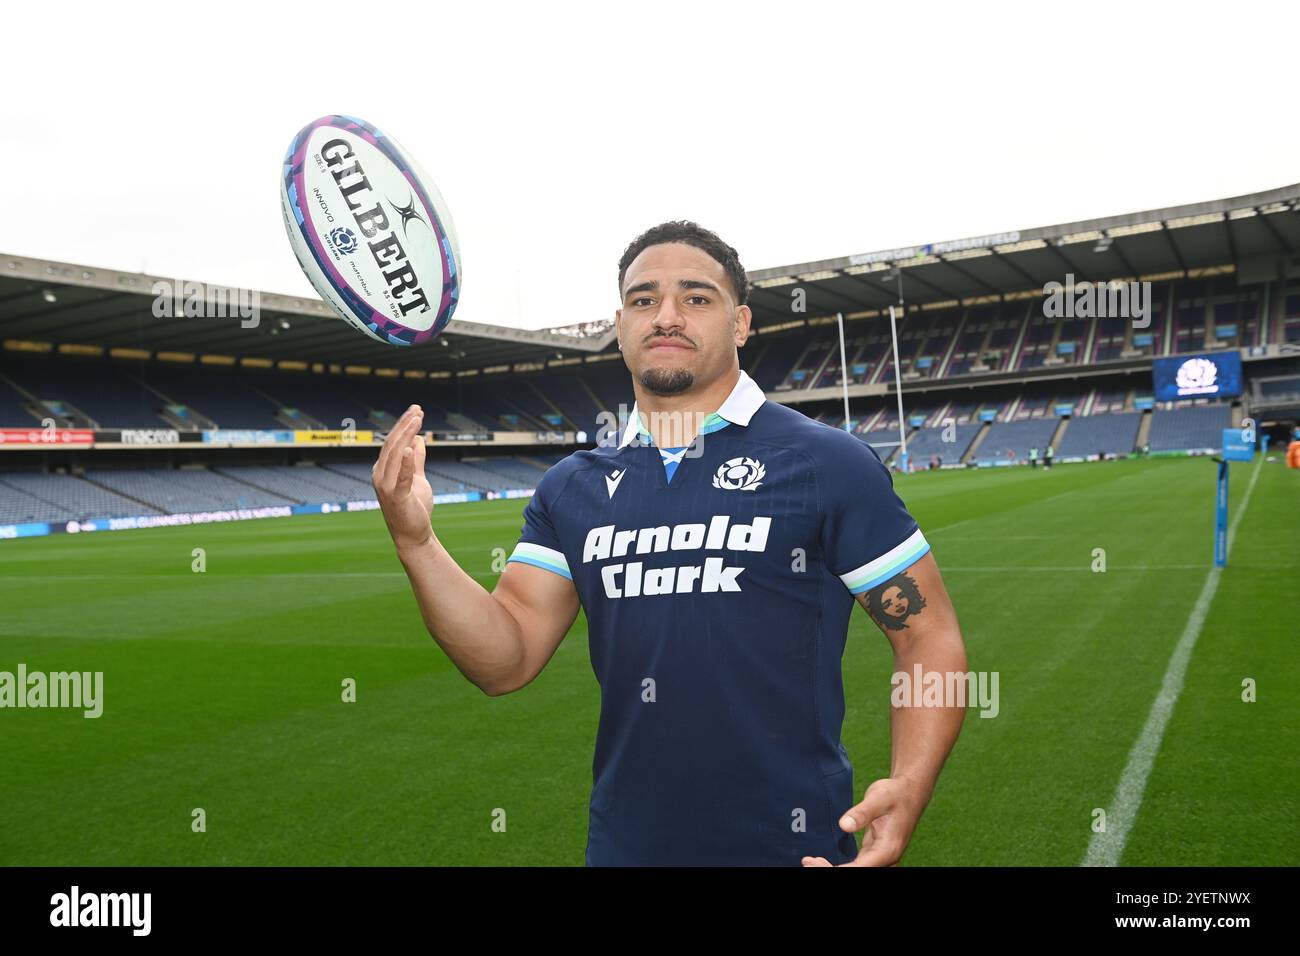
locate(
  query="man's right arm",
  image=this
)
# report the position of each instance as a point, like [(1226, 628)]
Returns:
[(499, 640)]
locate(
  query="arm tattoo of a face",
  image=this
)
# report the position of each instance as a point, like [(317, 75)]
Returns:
[(893, 602)]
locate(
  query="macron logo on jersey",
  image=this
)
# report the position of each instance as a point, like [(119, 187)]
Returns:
[(631, 579), (612, 480)]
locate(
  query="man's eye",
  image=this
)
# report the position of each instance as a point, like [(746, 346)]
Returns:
[(699, 299), (641, 301)]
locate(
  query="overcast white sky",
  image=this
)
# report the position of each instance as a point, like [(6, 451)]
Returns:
[(149, 137)]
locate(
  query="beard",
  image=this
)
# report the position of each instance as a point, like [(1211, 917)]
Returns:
[(667, 381)]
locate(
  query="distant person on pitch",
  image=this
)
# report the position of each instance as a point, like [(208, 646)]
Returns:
[(1033, 458), (718, 544)]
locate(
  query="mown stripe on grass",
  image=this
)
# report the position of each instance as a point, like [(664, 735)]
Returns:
[(1106, 848)]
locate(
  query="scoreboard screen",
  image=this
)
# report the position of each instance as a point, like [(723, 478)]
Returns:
[(1209, 375)]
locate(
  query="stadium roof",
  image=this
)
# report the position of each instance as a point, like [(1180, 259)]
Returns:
[(1250, 233), (68, 305), (62, 303)]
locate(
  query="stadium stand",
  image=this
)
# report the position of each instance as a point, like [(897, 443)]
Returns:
[(571, 396), (13, 407), (1197, 427), (224, 398), (18, 507), (775, 361), (1005, 439), (32, 496), (181, 490), (1098, 435), (302, 483), (925, 442), (107, 397), (328, 407), (1107, 401), (510, 404), (521, 473), (385, 401), (446, 479), (523, 405), (610, 384), (466, 476), (1030, 406)]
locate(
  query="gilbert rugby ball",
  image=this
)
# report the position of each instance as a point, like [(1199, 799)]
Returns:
[(370, 230)]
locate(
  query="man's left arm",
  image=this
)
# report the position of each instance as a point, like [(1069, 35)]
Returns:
[(913, 610)]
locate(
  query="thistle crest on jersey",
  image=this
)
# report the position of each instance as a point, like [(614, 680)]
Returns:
[(739, 474)]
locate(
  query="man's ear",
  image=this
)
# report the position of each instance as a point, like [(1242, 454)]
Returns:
[(744, 318)]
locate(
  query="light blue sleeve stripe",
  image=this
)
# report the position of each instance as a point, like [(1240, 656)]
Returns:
[(535, 562), (887, 565), (541, 557), (902, 565)]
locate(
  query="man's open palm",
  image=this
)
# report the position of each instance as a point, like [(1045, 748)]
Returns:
[(404, 493)]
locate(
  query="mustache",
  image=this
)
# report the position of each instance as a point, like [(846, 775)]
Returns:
[(663, 335)]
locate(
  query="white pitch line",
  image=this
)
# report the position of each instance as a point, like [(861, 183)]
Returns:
[(1106, 849)]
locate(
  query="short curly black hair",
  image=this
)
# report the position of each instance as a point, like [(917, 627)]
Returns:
[(692, 234)]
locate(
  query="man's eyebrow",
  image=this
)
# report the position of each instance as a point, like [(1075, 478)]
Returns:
[(697, 284), (650, 286), (653, 286)]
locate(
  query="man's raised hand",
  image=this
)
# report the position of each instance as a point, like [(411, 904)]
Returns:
[(405, 495)]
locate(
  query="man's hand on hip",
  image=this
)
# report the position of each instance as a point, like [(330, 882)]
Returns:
[(887, 815)]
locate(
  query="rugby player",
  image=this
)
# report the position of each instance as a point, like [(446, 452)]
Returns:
[(718, 544)]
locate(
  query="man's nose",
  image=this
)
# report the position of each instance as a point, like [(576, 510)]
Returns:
[(668, 318)]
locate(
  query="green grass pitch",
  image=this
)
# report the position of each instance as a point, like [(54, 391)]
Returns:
[(223, 689)]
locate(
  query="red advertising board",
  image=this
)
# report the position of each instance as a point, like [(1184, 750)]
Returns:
[(44, 436)]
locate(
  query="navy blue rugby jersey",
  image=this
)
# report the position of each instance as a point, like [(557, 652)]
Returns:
[(718, 586)]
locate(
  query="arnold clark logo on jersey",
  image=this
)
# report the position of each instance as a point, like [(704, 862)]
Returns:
[(710, 576)]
